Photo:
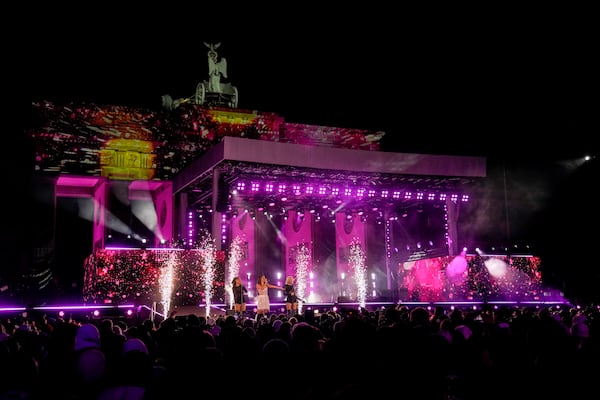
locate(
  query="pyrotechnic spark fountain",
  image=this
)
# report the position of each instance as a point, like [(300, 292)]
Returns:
[(235, 255), (302, 266), (357, 263), (208, 251), (166, 282)]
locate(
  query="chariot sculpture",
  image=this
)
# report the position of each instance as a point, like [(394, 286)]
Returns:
[(213, 91)]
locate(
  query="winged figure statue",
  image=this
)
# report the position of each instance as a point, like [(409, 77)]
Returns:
[(216, 68)]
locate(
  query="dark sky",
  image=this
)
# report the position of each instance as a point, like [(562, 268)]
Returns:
[(516, 86), (438, 81)]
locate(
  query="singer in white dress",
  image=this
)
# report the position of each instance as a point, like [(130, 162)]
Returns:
[(263, 304)]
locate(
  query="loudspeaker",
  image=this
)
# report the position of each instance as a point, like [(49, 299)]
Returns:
[(343, 299), (229, 312)]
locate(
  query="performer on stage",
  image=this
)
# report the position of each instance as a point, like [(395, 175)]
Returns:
[(239, 296), (291, 300), (263, 305)]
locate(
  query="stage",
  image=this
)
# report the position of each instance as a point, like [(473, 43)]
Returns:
[(139, 312)]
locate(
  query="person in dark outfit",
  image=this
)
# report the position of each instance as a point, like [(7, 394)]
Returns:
[(291, 300), (239, 296)]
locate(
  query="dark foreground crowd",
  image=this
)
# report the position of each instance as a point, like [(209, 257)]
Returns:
[(396, 352)]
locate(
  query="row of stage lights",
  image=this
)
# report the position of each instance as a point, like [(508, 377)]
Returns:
[(271, 208), (283, 189)]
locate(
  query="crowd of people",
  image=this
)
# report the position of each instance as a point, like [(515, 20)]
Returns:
[(407, 352)]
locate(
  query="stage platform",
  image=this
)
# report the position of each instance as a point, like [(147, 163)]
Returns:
[(154, 311), (276, 308)]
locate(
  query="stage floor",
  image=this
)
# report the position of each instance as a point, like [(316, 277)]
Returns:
[(220, 309), (154, 311)]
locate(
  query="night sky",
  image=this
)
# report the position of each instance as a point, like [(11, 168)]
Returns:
[(435, 82), (513, 86)]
